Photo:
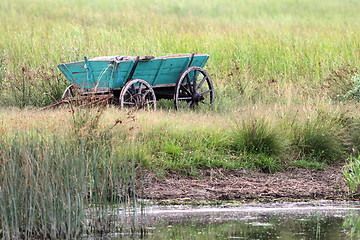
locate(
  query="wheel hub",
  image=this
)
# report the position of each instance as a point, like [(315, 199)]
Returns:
[(139, 103), (197, 97)]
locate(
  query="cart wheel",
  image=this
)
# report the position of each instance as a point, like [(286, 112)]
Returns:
[(193, 88), (137, 94), (69, 92)]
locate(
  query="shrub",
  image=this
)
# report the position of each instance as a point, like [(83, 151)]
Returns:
[(317, 139), (257, 137)]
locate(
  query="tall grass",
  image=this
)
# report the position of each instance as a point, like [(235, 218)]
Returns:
[(319, 139), (190, 141), (352, 174), (258, 47), (56, 186), (354, 92), (257, 136), (87, 163)]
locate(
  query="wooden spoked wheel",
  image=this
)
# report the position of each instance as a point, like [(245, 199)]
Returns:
[(137, 94), (72, 94), (69, 92), (194, 88)]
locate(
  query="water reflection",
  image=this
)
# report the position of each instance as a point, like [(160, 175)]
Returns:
[(319, 220)]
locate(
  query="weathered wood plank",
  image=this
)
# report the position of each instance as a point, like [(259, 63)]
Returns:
[(165, 70)]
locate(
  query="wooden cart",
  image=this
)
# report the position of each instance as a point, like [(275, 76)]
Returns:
[(140, 81)]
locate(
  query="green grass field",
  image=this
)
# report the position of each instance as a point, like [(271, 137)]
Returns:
[(266, 51), (287, 95), (286, 62)]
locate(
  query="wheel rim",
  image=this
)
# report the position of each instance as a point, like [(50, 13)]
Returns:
[(137, 94), (193, 89), (69, 92)]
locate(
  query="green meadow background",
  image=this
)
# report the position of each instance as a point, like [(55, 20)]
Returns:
[(251, 43)]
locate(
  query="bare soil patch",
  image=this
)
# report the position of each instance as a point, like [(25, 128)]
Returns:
[(294, 184)]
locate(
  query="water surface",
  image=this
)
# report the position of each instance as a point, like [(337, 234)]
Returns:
[(306, 220)]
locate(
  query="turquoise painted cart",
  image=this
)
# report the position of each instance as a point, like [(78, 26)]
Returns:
[(139, 82)]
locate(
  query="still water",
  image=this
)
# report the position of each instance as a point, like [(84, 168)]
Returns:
[(306, 220)]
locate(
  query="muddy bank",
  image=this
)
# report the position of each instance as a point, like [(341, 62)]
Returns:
[(294, 184)]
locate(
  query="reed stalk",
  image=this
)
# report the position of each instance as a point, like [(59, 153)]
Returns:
[(62, 187)]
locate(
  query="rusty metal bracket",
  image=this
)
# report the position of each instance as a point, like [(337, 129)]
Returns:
[(89, 100)]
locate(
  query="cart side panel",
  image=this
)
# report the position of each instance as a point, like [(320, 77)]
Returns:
[(163, 71), (175, 66), (121, 74), (96, 74), (200, 61), (156, 71), (144, 70)]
